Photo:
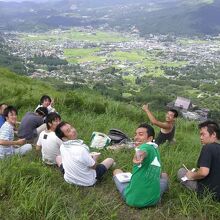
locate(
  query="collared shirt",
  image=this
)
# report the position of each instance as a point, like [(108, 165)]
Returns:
[(6, 134)]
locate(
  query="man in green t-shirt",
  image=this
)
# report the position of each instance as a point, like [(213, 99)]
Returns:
[(147, 184)]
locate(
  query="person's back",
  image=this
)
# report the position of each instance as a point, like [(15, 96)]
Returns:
[(144, 187), (48, 142), (212, 180), (30, 122), (77, 163), (50, 146)]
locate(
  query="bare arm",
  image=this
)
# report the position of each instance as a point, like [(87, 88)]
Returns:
[(38, 147), (154, 121), (200, 174), (142, 155), (9, 143)]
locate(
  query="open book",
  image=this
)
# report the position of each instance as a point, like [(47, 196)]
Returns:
[(124, 177)]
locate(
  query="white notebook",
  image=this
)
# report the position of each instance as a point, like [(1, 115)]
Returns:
[(124, 177)]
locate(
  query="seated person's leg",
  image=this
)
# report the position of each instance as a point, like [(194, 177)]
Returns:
[(108, 162), (120, 186), (103, 167), (163, 183), (23, 149), (59, 164), (6, 151), (190, 184)]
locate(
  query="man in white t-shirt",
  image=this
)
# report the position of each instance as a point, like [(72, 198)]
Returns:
[(77, 163), (48, 142)]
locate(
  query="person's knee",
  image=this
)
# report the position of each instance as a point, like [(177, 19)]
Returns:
[(27, 147), (110, 161), (164, 176), (116, 171), (181, 173)]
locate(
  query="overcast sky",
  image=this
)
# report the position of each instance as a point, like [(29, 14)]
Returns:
[(29, 0)]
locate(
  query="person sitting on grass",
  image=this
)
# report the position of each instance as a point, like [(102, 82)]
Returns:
[(207, 176), (78, 165), (32, 124), (167, 128), (9, 146), (48, 142), (47, 102), (147, 183), (3, 106)]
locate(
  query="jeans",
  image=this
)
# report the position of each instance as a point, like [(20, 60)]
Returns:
[(9, 151)]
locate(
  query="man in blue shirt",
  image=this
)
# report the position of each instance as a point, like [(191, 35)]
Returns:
[(2, 118)]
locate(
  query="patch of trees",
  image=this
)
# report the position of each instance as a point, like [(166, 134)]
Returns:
[(11, 62), (49, 60)]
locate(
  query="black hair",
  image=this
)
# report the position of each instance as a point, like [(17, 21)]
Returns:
[(51, 117), (42, 111), (212, 127), (150, 129), (58, 131), (43, 98), (9, 109), (175, 112)]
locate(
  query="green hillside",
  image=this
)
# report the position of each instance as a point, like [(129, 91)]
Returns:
[(31, 190)]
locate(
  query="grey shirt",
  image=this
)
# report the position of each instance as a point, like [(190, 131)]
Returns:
[(29, 124)]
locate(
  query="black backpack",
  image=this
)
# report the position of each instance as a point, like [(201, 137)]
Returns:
[(118, 137)]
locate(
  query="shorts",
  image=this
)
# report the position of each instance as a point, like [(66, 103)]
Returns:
[(100, 171)]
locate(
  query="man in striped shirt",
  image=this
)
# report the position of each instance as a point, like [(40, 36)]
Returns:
[(9, 146)]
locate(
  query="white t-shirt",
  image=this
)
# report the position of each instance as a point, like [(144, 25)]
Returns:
[(50, 146), (77, 163)]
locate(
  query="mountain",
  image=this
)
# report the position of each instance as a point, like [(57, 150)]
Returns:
[(153, 16)]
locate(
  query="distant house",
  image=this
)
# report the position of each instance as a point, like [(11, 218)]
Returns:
[(183, 103)]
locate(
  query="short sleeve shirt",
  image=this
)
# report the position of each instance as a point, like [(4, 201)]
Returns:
[(7, 132), (210, 158), (144, 187)]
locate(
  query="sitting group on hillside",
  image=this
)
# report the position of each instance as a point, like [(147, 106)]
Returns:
[(60, 147)]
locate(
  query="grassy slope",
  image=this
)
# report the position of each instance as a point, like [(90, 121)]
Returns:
[(31, 190)]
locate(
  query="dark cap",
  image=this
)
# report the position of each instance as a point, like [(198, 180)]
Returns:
[(42, 111)]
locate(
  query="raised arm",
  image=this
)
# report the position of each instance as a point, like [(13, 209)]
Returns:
[(153, 120)]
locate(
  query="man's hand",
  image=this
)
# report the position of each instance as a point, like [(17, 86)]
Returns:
[(20, 141), (52, 102), (145, 107), (139, 159), (95, 155), (190, 175)]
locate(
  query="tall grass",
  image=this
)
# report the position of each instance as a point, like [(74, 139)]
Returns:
[(31, 190)]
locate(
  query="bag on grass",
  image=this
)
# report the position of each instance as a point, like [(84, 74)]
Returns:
[(99, 140), (118, 137)]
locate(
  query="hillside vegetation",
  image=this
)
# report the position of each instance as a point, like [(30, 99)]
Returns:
[(31, 190)]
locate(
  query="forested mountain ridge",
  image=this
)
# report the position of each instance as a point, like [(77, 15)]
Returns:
[(155, 16)]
